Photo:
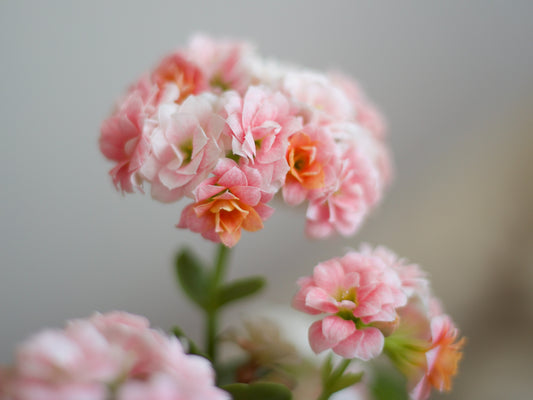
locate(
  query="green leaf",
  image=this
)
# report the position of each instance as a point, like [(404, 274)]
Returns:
[(258, 391), (192, 277), (347, 380), (239, 289), (192, 348)]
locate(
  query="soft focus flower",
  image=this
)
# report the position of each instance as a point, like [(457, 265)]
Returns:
[(414, 280), (226, 203), (225, 63), (320, 101), (442, 358), (268, 353), (425, 346), (185, 148), (356, 291), (125, 136), (366, 114), (112, 353), (175, 69)]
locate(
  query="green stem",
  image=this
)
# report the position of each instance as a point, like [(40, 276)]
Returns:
[(212, 313), (332, 379), (220, 265)]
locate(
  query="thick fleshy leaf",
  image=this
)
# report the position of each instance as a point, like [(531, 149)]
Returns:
[(258, 391), (239, 289), (192, 277)]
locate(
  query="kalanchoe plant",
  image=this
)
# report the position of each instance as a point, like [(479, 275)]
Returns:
[(216, 123)]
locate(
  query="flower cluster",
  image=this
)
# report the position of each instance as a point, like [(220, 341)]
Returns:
[(374, 303), (216, 123), (114, 355)]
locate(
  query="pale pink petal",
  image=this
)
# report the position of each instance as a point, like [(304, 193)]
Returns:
[(365, 344)]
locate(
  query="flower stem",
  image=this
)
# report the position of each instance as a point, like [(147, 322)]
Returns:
[(212, 313), (329, 383)]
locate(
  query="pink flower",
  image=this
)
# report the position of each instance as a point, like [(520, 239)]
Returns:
[(226, 203), (176, 69), (125, 136), (366, 114), (312, 164), (117, 350), (442, 358), (357, 291), (343, 206), (320, 101), (225, 63), (185, 148), (414, 281), (425, 347), (260, 125)]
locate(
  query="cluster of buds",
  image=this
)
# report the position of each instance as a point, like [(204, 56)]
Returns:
[(218, 124), (377, 303)]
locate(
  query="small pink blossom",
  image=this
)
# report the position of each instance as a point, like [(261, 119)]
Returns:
[(357, 291), (312, 164), (425, 347), (320, 101), (225, 63), (366, 114), (414, 281), (175, 69), (442, 358), (343, 206), (229, 201), (125, 136), (260, 124), (185, 148)]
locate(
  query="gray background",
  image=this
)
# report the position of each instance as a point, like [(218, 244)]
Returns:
[(454, 78)]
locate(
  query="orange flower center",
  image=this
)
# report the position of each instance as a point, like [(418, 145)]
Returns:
[(229, 215), (303, 163)]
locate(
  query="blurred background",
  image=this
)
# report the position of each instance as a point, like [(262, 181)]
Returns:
[(455, 80)]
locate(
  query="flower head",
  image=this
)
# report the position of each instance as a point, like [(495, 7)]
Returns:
[(226, 203), (343, 206), (225, 63), (175, 69), (441, 359), (314, 136), (311, 158), (125, 136), (112, 353), (357, 291)]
